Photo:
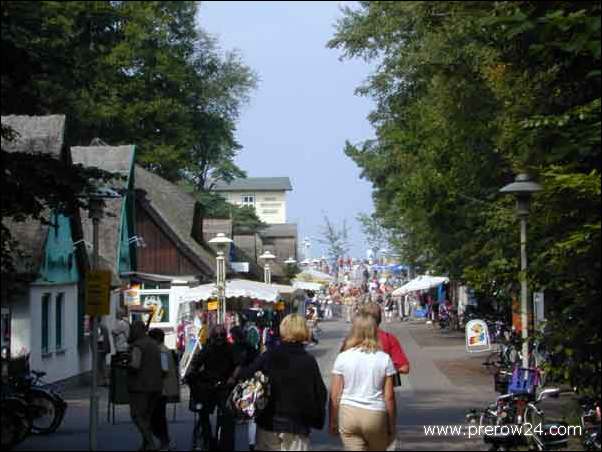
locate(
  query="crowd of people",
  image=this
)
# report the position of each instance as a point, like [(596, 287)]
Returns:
[(359, 406)]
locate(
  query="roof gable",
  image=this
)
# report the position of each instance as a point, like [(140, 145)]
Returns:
[(175, 209), (116, 159), (42, 135)]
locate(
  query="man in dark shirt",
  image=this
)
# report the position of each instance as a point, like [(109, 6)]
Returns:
[(145, 381)]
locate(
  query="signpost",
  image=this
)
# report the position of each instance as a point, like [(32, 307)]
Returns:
[(98, 292)]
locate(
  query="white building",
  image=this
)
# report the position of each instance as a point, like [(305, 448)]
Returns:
[(266, 194)]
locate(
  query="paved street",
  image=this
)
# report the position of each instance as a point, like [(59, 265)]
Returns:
[(445, 382)]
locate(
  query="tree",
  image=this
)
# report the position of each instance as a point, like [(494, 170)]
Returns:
[(336, 239), (467, 95), (376, 235), (128, 72)]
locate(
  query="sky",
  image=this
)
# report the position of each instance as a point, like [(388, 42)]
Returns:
[(303, 110)]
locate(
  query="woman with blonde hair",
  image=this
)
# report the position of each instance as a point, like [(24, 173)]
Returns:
[(298, 396), (362, 399)]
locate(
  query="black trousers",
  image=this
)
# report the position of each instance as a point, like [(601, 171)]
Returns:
[(159, 421), (142, 406), (224, 419)]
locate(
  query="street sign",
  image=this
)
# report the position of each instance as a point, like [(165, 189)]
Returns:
[(477, 336), (98, 292)]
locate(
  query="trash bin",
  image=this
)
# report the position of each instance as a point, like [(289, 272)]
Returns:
[(118, 387)]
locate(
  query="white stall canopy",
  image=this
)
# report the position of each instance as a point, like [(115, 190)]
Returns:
[(236, 288), (423, 282), (303, 285), (311, 275)]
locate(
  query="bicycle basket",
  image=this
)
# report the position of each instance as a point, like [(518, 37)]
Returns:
[(501, 381), (524, 381)]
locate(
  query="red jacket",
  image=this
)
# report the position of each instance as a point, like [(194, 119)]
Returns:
[(391, 347)]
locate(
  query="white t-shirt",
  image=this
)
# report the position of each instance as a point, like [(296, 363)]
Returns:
[(364, 378)]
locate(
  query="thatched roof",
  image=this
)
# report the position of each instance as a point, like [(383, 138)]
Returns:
[(116, 159), (174, 211), (35, 134)]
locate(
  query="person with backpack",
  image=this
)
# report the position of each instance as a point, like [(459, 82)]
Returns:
[(362, 398), (297, 401), (209, 377)]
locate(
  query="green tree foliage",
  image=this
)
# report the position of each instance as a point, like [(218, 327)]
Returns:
[(467, 95), (128, 72), (376, 235)]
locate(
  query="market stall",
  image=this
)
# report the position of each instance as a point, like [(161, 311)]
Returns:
[(255, 306), (410, 293)]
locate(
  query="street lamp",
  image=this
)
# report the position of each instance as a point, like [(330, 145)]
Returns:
[(221, 242), (523, 187), (96, 213), (267, 274), (290, 261)]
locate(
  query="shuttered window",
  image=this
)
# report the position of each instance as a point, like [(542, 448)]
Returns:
[(59, 314), (45, 322)]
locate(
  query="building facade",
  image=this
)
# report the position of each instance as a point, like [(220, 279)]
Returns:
[(267, 195)]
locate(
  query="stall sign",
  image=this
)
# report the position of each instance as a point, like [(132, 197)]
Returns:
[(280, 306), (132, 295), (213, 306), (477, 336)]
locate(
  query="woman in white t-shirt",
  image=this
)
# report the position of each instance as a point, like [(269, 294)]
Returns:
[(362, 399)]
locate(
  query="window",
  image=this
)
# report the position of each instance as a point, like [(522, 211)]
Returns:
[(248, 200), (269, 198), (269, 212), (45, 322), (59, 314)]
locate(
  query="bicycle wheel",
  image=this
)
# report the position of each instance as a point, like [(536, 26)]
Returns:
[(15, 423), (46, 412)]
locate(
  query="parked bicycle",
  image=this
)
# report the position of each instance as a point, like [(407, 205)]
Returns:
[(511, 411), (45, 405), (15, 420), (591, 420)]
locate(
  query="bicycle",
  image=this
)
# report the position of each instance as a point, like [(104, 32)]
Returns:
[(590, 423), (15, 419), (45, 405)]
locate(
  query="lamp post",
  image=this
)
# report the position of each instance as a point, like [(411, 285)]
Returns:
[(96, 214), (523, 187), (221, 242), (267, 274)]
